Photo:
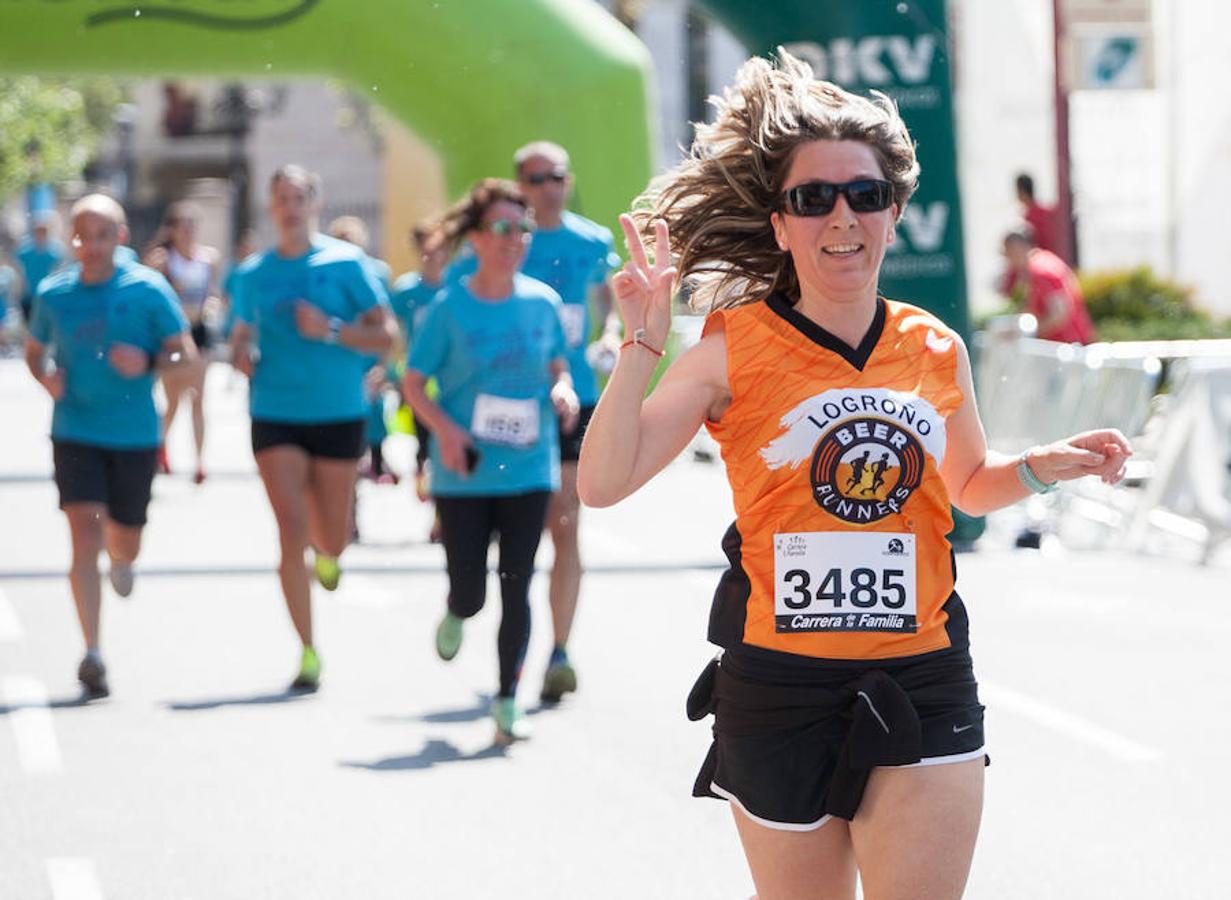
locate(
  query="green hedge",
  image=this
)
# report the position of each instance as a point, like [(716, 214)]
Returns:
[(1138, 305)]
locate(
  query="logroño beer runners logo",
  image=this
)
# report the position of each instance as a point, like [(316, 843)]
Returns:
[(868, 449)]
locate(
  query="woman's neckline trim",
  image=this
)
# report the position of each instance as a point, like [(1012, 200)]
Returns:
[(857, 356)]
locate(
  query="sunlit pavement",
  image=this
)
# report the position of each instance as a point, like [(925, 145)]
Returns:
[(1104, 675)]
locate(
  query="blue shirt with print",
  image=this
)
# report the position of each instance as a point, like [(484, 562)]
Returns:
[(297, 379), (501, 349), (571, 259), (81, 323), (410, 300), (37, 261)]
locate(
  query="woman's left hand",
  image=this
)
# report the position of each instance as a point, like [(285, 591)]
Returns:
[(568, 408), (1102, 453)]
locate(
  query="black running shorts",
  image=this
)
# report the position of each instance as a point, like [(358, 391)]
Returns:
[(794, 745), (118, 479), (327, 440), (570, 444)]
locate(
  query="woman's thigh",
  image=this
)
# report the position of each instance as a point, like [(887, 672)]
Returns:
[(330, 497), (798, 865), (284, 472), (914, 834)]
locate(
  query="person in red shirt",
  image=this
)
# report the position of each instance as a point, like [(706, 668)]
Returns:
[(1050, 289), (1042, 219)]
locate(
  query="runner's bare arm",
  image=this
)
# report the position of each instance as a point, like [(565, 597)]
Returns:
[(36, 361), (630, 440), (241, 348), (980, 480), (373, 332), (563, 396), (452, 437)]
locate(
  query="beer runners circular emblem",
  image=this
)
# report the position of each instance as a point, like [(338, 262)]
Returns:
[(865, 469)]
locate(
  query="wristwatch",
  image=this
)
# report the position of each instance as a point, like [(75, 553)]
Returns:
[(335, 330), (1033, 483)]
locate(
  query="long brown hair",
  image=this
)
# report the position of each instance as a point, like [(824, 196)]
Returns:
[(718, 200)]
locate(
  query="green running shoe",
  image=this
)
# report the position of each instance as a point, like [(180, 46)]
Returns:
[(327, 571), (448, 636), (561, 678), (309, 677), (511, 724)]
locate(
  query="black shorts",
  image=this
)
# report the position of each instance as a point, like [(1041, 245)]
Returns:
[(570, 444), (118, 479), (201, 336), (794, 745), (328, 440)]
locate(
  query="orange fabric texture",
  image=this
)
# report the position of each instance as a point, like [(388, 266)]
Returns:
[(815, 444)]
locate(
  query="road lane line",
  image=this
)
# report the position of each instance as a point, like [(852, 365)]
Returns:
[(10, 625), (73, 878), (1068, 724), (30, 715)]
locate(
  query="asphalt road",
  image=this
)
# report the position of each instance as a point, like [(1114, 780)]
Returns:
[(1104, 675)]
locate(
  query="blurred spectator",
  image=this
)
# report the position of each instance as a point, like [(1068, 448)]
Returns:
[(1045, 221), (38, 255), (1047, 289)]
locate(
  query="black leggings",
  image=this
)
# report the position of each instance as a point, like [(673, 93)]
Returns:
[(466, 525)]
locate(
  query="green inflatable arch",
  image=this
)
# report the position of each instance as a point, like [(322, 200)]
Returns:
[(473, 78)]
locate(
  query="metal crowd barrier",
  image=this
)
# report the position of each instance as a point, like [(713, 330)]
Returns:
[(1033, 392)]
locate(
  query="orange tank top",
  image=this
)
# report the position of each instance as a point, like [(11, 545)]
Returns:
[(839, 547)]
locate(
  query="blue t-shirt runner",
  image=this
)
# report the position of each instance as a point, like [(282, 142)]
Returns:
[(81, 323), (37, 261), (299, 380), (492, 362), (410, 300), (572, 259)]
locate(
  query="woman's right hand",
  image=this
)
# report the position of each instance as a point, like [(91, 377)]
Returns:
[(453, 444), (643, 291), (53, 383)]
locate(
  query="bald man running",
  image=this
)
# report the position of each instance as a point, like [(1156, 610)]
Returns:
[(114, 328)]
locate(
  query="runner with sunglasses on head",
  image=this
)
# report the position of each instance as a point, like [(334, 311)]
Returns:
[(495, 345), (99, 334), (848, 734), (574, 256), (309, 316)]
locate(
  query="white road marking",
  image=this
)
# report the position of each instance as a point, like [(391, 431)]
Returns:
[(73, 878), (30, 716), (1068, 724), (364, 591), (10, 625)]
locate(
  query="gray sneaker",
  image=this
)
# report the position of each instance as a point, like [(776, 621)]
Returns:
[(93, 677), (121, 578)]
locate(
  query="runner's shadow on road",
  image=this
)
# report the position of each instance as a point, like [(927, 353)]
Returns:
[(482, 709), (75, 701), (434, 752), (220, 702)]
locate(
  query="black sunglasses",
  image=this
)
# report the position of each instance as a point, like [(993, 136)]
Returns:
[(818, 198), (541, 178)]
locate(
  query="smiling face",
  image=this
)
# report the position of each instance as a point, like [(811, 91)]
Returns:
[(501, 254), (836, 256)]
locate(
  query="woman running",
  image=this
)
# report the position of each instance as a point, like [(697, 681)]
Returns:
[(848, 733), (308, 316), (494, 343), (193, 270)]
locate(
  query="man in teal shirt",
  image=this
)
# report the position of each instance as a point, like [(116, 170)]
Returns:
[(574, 256), (40, 254), (99, 336)]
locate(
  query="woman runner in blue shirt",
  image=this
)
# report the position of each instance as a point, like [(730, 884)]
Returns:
[(309, 315), (496, 347)]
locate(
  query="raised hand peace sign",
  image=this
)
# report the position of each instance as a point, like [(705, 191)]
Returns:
[(643, 291)]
